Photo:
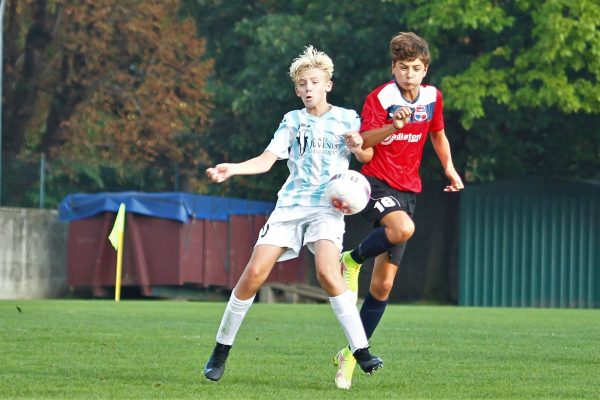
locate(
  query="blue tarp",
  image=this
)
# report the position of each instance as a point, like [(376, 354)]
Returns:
[(178, 206)]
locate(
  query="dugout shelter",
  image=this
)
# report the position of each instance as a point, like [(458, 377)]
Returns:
[(171, 240)]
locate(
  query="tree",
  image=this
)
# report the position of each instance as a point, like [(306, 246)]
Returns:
[(254, 42), (516, 76), (522, 79), (107, 86)]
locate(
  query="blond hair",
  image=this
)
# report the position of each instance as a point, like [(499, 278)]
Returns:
[(311, 58)]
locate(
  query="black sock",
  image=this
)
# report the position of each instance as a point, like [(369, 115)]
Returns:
[(372, 246), (371, 312)]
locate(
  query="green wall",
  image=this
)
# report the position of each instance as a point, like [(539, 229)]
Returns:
[(530, 242)]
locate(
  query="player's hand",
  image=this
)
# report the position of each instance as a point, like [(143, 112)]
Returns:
[(354, 141), (401, 117), (220, 172), (455, 182)]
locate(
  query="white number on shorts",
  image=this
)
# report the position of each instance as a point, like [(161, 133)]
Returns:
[(384, 202)]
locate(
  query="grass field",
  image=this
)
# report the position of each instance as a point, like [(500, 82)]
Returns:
[(78, 349)]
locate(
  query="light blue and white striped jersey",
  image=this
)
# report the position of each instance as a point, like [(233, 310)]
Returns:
[(315, 150)]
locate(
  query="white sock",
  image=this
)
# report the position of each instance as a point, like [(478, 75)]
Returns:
[(354, 298), (346, 312), (232, 319)]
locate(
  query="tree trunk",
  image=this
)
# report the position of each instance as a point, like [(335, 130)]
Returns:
[(22, 101)]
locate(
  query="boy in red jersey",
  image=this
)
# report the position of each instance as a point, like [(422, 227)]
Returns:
[(397, 117)]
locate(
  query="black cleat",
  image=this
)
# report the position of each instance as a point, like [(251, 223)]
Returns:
[(215, 367), (367, 362)]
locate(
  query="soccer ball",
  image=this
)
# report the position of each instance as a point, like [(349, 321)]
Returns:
[(348, 192)]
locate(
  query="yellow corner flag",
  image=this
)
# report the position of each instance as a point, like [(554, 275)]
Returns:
[(118, 227), (116, 239)]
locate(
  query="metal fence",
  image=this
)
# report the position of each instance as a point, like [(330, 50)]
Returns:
[(22, 182), (34, 182)]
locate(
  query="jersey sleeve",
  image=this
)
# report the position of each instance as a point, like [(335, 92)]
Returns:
[(437, 122), (282, 141), (373, 115)]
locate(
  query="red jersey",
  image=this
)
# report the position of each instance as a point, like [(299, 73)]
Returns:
[(396, 160)]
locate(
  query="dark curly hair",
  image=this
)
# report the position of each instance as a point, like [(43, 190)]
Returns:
[(408, 46)]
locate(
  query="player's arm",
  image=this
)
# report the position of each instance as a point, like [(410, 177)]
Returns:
[(364, 155), (253, 166), (375, 136), (442, 149), (354, 142)]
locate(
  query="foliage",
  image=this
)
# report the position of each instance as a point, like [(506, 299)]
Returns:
[(106, 86), (101, 84), (522, 78), (520, 54), (519, 80), (254, 42)]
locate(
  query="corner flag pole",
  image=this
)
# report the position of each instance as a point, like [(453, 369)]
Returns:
[(116, 239)]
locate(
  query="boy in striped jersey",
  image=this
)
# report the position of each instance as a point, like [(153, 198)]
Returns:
[(317, 141)]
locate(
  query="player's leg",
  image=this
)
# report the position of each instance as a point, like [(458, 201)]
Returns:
[(256, 272), (389, 210), (382, 282), (385, 201), (342, 303), (327, 268), (400, 227), (279, 239), (396, 228), (384, 272), (323, 237), (372, 309)]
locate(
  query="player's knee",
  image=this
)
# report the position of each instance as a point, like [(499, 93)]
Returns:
[(324, 277), (253, 273), (326, 280), (381, 290), (401, 231)]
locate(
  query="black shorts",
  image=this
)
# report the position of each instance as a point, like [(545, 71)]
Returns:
[(385, 200)]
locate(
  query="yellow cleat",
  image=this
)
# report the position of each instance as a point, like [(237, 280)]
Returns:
[(345, 362), (350, 270)]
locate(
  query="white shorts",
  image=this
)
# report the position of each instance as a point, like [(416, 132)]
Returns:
[(295, 226)]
